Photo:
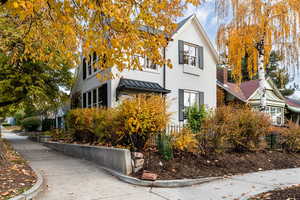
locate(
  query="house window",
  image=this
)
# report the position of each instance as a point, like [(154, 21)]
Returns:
[(150, 65), (276, 114), (84, 68), (191, 98), (190, 56), (95, 98), (187, 99), (95, 59), (84, 100), (90, 66), (89, 105), (145, 63)]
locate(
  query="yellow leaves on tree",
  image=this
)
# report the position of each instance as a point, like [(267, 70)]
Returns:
[(115, 30), (258, 27)]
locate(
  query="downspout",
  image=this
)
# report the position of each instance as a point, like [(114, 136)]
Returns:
[(164, 69)]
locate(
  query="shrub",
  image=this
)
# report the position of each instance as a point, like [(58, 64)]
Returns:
[(141, 118), (130, 124), (195, 117), (31, 123), (6, 124), (164, 145), (290, 137), (236, 128), (185, 140), (87, 125)]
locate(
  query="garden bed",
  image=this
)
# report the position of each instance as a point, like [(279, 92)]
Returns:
[(292, 193), (189, 165), (16, 176)]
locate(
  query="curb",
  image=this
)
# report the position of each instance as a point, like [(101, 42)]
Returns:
[(161, 183), (32, 192)]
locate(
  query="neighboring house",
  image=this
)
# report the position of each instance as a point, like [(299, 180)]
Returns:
[(10, 120), (293, 110), (55, 118), (278, 107), (191, 80)]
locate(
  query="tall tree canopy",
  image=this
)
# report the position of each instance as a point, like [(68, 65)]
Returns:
[(32, 83), (258, 27), (115, 29)]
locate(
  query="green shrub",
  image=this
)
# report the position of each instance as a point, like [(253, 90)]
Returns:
[(195, 117), (31, 123), (19, 116), (164, 145), (6, 124)]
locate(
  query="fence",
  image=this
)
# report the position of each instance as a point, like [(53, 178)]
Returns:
[(170, 129)]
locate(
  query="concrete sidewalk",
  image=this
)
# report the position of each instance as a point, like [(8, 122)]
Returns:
[(70, 178)]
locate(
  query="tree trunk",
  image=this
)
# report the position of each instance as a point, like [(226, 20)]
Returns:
[(262, 83)]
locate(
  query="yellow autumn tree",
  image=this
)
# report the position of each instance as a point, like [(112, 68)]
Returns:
[(114, 29), (258, 27)]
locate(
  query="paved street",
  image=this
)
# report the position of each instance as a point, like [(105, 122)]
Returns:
[(70, 178)]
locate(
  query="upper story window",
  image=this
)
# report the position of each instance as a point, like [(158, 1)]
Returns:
[(146, 63), (87, 65), (190, 56)]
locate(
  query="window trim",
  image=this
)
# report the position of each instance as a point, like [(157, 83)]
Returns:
[(196, 57)]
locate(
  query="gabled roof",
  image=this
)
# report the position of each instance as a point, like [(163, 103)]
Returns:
[(182, 24), (246, 89), (292, 102), (129, 84), (242, 91), (249, 87)]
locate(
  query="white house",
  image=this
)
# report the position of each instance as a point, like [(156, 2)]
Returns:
[(191, 80)]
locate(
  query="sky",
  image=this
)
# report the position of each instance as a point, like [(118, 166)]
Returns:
[(207, 16)]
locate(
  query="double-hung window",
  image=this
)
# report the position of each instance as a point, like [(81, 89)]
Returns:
[(187, 99), (190, 56), (191, 98)]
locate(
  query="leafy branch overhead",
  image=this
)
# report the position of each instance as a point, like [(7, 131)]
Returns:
[(115, 30)]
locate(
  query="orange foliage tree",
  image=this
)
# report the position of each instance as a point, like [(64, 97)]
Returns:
[(114, 30), (258, 27)]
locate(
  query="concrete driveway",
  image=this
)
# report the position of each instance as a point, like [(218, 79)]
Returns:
[(71, 178)]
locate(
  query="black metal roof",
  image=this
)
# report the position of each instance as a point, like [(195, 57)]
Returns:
[(129, 84)]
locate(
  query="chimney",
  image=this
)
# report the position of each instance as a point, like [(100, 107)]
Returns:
[(222, 75)]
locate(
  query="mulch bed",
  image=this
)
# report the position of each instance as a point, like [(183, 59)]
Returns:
[(291, 193), (16, 176), (189, 165)]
